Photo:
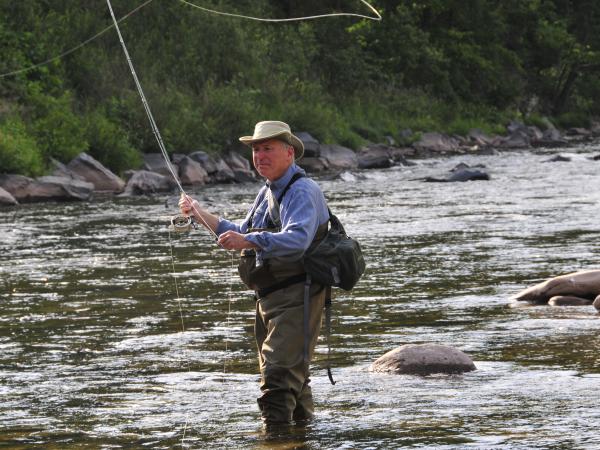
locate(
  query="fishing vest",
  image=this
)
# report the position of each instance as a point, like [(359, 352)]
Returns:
[(277, 272)]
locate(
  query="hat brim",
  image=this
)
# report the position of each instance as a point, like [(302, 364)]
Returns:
[(287, 137)]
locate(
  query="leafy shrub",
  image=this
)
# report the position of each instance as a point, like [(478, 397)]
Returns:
[(19, 152), (108, 143)]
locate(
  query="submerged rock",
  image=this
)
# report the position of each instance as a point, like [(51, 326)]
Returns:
[(584, 284), (460, 175), (568, 300), (423, 359)]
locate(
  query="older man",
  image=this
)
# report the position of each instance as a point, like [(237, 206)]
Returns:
[(288, 215)]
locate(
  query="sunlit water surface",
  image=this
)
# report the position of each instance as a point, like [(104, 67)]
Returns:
[(97, 348)]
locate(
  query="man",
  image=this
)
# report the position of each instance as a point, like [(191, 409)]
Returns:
[(288, 214)]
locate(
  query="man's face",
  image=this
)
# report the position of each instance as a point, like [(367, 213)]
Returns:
[(272, 158)]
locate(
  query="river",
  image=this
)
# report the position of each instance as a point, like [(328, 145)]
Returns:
[(108, 341)]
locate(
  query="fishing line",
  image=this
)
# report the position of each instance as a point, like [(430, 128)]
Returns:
[(290, 19), (77, 47)]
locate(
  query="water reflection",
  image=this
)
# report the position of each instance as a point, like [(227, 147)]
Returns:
[(97, 348)]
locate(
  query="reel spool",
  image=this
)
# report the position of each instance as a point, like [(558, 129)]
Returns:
[(181, 223)]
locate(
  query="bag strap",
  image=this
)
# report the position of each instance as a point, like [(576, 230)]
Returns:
[(263, 194), (328, 331)]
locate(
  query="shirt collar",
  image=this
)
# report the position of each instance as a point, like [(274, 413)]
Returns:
[(280, 183)]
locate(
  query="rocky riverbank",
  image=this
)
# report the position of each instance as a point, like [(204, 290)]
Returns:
[(83, 177)]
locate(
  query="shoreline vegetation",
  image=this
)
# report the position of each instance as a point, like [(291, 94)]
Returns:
[(464, 69), (84, 176)]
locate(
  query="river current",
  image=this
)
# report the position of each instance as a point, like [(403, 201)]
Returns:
[(115, 334)]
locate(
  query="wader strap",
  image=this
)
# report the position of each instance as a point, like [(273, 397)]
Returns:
[(328, 331), (281, 285), (306, 317)]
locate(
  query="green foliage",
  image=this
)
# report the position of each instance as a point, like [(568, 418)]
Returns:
[(19, 152), (108, 143), (429, 65), (59, 131)]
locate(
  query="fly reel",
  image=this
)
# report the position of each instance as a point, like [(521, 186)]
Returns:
[(181, 223)]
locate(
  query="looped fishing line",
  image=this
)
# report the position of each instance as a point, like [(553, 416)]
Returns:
[(290, 19)]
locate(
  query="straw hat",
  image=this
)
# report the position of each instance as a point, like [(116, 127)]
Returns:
[(273, 129)]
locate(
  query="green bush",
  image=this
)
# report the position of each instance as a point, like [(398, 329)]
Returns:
[(59, 131), (19, 152), (108, 143)]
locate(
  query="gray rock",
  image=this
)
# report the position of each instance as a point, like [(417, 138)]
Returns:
[(205, 160), (436, 142), (581, 132), (155, 162), (374, 156), (6, 198), (191, 172), (595, 158), (93, 172), (559, 158), (551, 137), (374, 162), (16, 185), (240, 167), (223, 174), (423, 359), (583, 284), (478, 137), (145, 182), (460, 175), (338, 157), (597, 303), (311, 145), (314, 164), (516, 139), (568, 300), (51, 188), (61, 170), (463, 166), (177, 157)]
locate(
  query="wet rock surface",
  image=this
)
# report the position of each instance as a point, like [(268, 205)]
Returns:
[(423, 359)]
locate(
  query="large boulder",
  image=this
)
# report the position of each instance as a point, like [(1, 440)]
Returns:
[(155, 162), (59, 188), (516, 139), (240, 167), (191, 172), (339, 157), (223, 174), (311, 145), (313, 164), (423, 359), (205, 160), (436, 143), (584, 284), (16, 185), (145, 182), (93, 172), (374, 156), (479, 138), (6, 198)]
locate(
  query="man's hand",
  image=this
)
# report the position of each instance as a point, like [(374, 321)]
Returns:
[(187, 205), (231, 240)]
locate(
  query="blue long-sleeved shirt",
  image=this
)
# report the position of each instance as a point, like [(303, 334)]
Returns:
[(302, 210)]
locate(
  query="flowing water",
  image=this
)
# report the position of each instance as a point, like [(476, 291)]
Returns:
[(98, 350)]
